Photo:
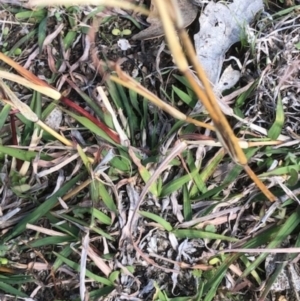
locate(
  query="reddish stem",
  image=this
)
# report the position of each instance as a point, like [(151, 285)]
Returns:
[(14, 137), (113, 135)]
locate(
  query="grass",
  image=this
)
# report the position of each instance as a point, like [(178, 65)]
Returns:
[(130, 195)]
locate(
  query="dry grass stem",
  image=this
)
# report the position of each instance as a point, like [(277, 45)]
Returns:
[(207, 97)]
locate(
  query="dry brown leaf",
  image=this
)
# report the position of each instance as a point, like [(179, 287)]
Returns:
[(188, 12)]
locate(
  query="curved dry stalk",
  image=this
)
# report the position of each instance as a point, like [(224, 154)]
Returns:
[(224, 132), (77, 189), (45, 89), (242, 143), (24, 72)]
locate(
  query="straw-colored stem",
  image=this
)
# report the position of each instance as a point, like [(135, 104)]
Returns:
[(77, 189), (52, 132), (223, 130), (271, 197), (130, 83)]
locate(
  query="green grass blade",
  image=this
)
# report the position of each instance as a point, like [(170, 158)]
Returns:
[(187, 206), (65, 253), (22, 154), (84, 158), (231, 177), (65, 228), (177, 184), (80, 221), (89, 274), (194, 234), (280, 171), (166, 225), (42, 209), (101, 217), (186, 98), (131, 117), (277, 126), (22, 41), (30, 15), (198, 180), (89, 125), (16, 279), (8, 289), (42, 32), (52, 240), (286, 229), (270, 281), (213, 283), (96, 295), (69, 39), (98, 190), (4, 114)]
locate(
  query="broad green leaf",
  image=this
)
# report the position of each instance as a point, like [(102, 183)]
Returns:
[(114, 276), (241, 99), (183, 80), (122, 162), (116, 32), (293, 177)]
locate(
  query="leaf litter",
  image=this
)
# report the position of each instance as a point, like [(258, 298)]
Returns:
[(170, 262)]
